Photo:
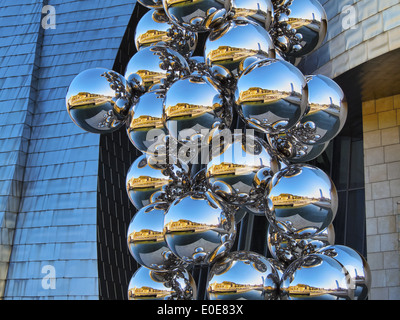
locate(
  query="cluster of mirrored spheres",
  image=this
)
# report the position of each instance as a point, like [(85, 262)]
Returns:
[(223, 135)]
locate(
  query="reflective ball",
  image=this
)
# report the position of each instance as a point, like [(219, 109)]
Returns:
[(145, 180), (231, 43), (355, 264), (156, 65), (316, 277), (146, 284), (327, 111), (308, 18), (234, 165), (271, 96), (243, 275), (155, 28), (98, 100), (259, 11), (302, 200), (287, 249), (295, 151), (146, 241), (151, 4), (191, 108), (199, 229), (199, 15), (145, 126)]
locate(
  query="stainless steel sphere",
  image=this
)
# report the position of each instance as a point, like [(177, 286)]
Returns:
[(316, 277), (192, 106), (155, 28), (308, 18), (234, 41), (355, 264), (287, 249), (292, 149), (156, 65), (199, 15), (144, 180), (98, 100), (145, 126), (198, 229), (234, 165), (302, 200), (151, 4), (146, 241), (327, 111), (243, 275), (259, 11), (271, 96), (146, 284)]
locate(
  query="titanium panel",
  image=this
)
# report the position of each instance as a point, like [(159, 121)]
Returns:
[(54, 201)]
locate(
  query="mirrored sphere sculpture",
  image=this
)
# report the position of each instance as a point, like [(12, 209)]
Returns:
[(259, 11), (199, 229), (156, 65), (292, 149), (271, 96), (199, 15), (98, 100), (243, 275), (234, 41), (146, 241), (144, 180), (146, 284), (302, 200), (192, 106), (287, 249), (234, 165), (326, 114), (144, 125), (155, 28), (316, 277), (151, 4), (308, 18), (355, 264)]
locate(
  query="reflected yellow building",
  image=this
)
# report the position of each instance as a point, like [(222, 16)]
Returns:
[(184, 225), (153, 36), (232, 287), (85, 98), (146, 182), (145, 235), (290, 200), (226, 168), (256, 94), (186, 110), (150, 77), (172, 2), (147, 292), (144, 122), (228, 53), (298, 23)]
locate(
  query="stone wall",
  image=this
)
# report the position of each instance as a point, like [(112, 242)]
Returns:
[(381, 123)]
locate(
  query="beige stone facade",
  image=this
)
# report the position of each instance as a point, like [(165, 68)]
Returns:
[(381, 126)]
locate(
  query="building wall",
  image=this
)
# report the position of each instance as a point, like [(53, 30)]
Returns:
[(358, 31), (381, 119), (48, 203)]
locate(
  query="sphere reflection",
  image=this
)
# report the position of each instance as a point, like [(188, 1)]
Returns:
[(243, 275)]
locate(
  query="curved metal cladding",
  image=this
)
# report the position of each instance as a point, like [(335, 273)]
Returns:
[(359, 31), (49, 166)]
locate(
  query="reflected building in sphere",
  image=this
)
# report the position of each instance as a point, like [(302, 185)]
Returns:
[(64, 209)]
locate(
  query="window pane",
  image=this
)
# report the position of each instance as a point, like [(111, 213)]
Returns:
[(357, 165)]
